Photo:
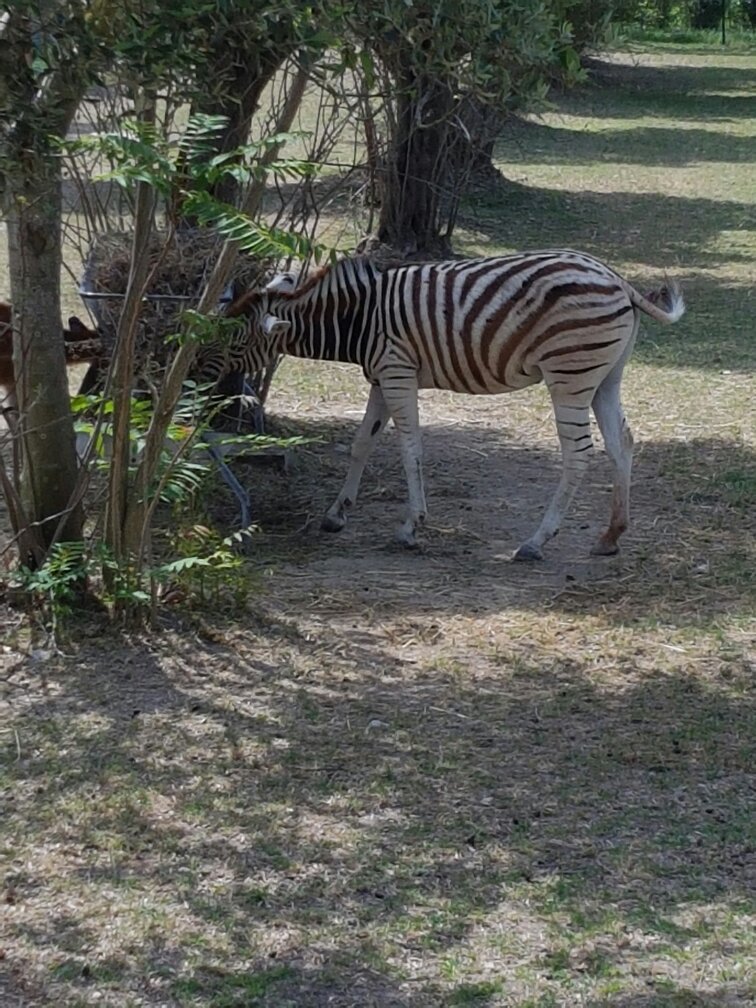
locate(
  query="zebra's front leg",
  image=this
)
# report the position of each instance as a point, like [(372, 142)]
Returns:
[(400, 393), (574, 429), (375, 419)]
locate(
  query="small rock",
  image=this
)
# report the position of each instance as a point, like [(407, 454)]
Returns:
[(376, 724)]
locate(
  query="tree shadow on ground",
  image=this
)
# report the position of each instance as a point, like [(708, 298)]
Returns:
[(532, 142), (632, 89), (711, 335), (313, 804), (674, 996), (662, 231), (319, 822)]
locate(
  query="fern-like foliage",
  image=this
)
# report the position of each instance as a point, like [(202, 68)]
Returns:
[(191, 168), (253, 236)]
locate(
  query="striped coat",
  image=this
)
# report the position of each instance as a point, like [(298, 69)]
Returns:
[(481, 326)]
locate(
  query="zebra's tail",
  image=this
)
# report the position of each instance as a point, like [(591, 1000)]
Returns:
[(665, 303)]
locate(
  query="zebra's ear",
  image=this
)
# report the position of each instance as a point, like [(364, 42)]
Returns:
[(285, 282), (273, 326)]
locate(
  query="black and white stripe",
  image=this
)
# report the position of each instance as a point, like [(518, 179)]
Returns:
[(481, 326)]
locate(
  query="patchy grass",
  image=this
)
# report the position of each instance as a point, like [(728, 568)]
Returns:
[(687, 41), (648, 169), (439, 779)]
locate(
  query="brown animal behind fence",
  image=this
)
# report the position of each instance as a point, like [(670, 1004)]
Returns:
[(81, 345)]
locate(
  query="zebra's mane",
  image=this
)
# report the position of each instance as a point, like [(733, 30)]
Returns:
[(252, 297), (349, 264), (312, 280), (341, 268)]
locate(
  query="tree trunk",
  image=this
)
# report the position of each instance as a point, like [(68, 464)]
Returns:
[(245, 76), (46, 433), (416, 183), (238, 103), (471, 145), (34, 114)]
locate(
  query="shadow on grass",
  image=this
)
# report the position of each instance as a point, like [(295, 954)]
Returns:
[(251, 813), (631, 89), (677, 996), (532, 142), (714, 333), (321, 807), (663, 231)]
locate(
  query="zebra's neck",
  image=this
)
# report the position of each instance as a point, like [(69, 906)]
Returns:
[(335, 319)]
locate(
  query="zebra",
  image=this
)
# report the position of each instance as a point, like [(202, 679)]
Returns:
[(482, 326)]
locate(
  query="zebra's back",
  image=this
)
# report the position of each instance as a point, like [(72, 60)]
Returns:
[(500, 324)]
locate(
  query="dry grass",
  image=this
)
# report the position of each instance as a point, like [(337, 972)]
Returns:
[(438, 779)]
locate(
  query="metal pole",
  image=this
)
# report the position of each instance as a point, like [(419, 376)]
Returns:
[(724, 22)]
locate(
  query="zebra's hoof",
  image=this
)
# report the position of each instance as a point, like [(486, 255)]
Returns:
[(333, 523), (604, 548), (406, 539), (527, 553)]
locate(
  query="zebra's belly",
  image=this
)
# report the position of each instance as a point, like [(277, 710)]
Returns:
[(491, 385), (453, 372)]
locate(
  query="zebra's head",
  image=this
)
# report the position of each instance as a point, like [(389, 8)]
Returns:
[(249, 340)]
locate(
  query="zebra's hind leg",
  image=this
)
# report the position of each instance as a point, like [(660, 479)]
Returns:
[(574, 428), (375, 419), (618, 441)]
